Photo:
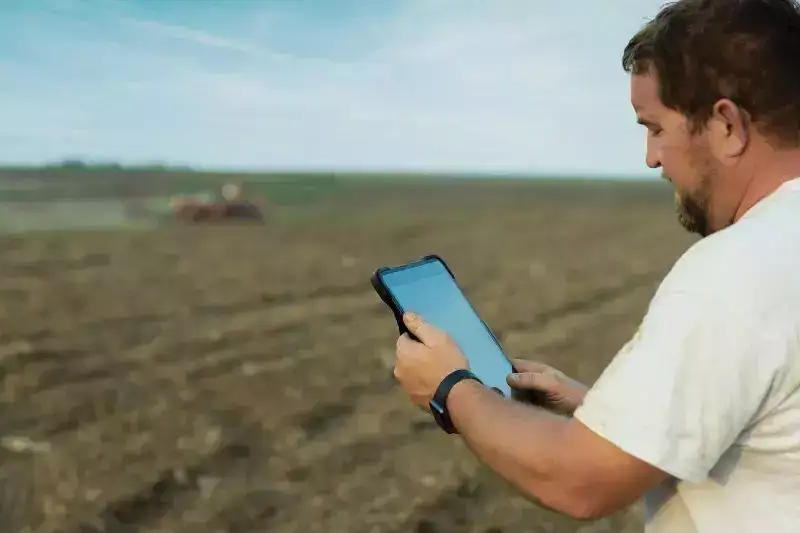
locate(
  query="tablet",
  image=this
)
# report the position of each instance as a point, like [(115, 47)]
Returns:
[(429, 288)]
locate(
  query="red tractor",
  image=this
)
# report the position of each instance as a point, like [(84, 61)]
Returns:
[(230, 207)]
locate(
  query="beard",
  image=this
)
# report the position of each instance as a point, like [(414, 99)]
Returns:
[(692, 205), (692, 209)]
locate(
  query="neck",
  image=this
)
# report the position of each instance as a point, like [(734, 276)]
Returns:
[(778, 167)]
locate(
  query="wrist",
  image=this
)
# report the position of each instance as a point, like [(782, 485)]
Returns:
[(461, 392), (442, 398)]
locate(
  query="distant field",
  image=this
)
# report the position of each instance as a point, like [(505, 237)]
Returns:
[(64, 199), (59, 199), (64, 184), (238, 379)]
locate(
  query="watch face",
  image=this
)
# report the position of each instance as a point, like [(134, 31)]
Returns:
[(436, 408), (439, 416)]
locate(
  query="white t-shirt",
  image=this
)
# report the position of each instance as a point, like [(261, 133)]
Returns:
[(708, 389)]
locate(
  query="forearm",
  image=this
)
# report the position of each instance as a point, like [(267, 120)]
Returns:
[(528, 446)]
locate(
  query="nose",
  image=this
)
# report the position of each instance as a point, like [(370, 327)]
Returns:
[(652, 155)]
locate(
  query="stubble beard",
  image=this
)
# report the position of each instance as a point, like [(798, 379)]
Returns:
[(692, 205), (692, 210)]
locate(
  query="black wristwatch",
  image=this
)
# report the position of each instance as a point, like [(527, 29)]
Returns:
[(438, 403)]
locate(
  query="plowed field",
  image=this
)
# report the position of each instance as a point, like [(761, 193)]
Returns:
[(238, 379)]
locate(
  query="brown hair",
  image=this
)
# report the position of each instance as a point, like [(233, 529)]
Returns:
[(745, 50)]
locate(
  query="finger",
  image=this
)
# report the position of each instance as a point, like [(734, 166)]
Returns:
[(403, 343), (524, 365), (426, 332), (534, 381), (407, 346)]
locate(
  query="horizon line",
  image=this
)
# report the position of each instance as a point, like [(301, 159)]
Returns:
[(464, 173)]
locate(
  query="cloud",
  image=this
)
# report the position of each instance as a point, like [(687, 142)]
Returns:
[(195, 36), (505, 85)]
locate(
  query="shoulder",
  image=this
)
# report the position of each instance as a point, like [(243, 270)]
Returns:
[(759, 253), (748, 268), (732, 299), (720, 330)]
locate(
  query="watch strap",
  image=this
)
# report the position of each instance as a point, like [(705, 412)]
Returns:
[(438, 404)]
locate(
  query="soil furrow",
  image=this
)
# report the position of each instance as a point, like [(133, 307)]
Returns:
[(452, 507), (207, 379), (213, 362)]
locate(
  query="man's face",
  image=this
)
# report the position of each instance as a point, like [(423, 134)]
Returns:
[(685, 159)]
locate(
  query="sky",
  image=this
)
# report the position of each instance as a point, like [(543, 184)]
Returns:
[(519, 86)]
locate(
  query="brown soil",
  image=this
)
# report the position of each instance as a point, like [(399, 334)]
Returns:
[(238, 379)]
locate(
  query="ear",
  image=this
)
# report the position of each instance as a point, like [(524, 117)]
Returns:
[(729, 128)]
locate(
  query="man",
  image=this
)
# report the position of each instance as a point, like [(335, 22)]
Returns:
[(699, 413)]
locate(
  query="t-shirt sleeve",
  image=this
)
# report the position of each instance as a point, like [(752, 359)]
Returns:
[(691, 379)]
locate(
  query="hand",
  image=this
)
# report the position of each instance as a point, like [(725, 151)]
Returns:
[(563, 395), (421, 366)]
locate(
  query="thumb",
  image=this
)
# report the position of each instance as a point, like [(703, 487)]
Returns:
[(425, 331)]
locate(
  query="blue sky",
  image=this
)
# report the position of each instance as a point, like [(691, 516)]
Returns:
[(489, 86)]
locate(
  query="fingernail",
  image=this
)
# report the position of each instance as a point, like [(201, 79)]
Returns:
[(514, 377), (411, 316)]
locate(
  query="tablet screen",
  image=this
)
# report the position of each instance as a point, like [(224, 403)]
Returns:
[(428, 288)]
